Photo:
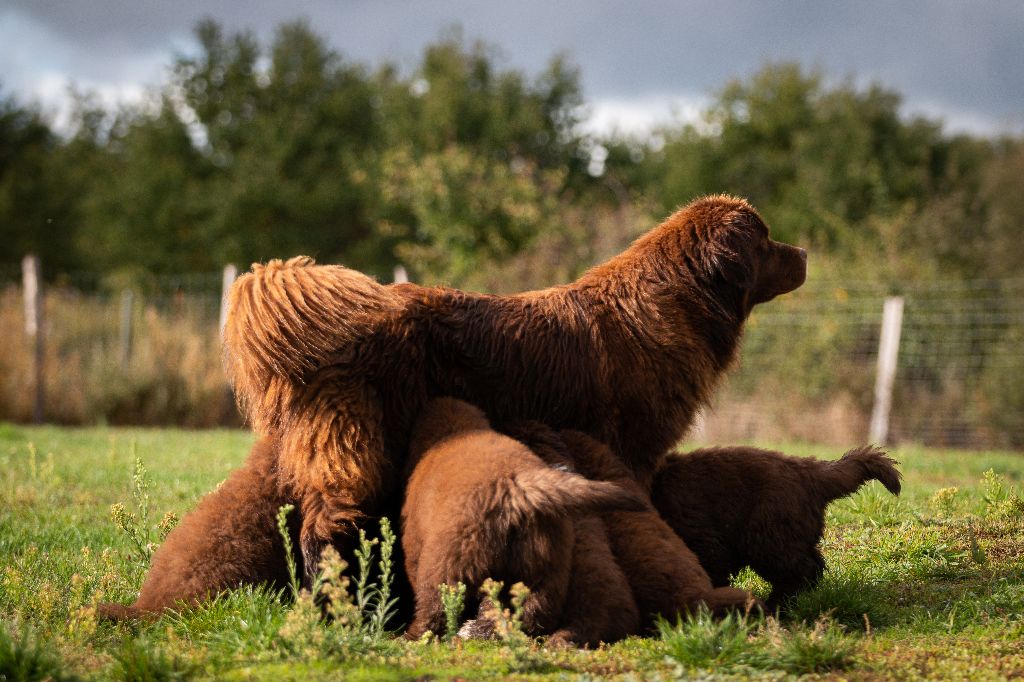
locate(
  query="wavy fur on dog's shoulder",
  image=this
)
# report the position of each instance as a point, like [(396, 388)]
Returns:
[(288, 318), (337, 367)]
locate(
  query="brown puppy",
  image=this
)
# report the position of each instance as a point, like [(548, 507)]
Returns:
[(481, 505), (741, 506), (230, 539), (338, 366), (599, 606), (664, 575)]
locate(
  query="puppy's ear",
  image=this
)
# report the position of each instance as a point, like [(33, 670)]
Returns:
[(727, 252)]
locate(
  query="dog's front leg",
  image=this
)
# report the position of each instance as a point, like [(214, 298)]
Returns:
[(325, 521)]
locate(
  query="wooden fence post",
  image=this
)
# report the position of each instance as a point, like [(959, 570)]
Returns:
[(888, 350), (230, 275), (127, 317), (32, 285)]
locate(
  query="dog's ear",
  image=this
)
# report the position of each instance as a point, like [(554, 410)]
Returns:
[(727, 252)]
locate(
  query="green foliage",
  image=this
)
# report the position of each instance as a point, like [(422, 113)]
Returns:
[(144, 536), (737, 642), (1001, 499), (140, 661), (818, 649), (328, 619), (289, 549), (700, 641), (373, 596), (453, 601), (36, 204), (453, 213), (25, 658), (253, 150)]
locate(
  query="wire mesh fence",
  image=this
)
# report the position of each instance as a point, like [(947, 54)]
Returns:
[(806, 371), (809, 364)]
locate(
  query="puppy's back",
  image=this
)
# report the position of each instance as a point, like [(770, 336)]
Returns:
[(466, 471)]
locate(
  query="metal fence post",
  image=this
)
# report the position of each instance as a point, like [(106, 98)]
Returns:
[(888, 350), (32, 285)]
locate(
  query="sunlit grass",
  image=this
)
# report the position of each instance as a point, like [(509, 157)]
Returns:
[(927, 585)]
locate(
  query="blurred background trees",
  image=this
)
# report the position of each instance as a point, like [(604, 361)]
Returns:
[(459, 167)]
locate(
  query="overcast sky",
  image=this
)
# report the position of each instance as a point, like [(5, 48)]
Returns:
[(961, 61)]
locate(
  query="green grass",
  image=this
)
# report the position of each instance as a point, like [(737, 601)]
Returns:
[(926, 586)]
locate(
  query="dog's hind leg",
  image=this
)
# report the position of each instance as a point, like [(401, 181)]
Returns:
[(801, 570)]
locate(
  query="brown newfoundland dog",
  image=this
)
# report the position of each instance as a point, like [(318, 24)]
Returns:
[(338, 367), (481, 505), (741, 506)]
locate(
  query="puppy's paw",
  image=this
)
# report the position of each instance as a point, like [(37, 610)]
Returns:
[(561, 639), (724, 600), (477, 628)]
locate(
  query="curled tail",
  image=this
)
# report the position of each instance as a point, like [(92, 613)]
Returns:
[(845, 475), (547, 491), (286, 318)]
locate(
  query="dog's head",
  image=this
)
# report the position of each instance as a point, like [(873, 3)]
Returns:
[(729, 245)]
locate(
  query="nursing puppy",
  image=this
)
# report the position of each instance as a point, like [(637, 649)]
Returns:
[(600, 606), (230, 539), (481, 505), (664, 574), (742, 506)]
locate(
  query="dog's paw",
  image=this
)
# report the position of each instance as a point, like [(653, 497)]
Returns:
[(477, 628)]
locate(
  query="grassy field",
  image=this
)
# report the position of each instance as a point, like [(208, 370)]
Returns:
[(928, 585)]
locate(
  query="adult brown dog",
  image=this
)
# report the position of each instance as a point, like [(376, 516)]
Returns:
[(230, 539), (481, 505), (338, 366), (742, 506)]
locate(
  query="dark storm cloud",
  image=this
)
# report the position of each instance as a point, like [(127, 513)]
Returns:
[(959, 58)]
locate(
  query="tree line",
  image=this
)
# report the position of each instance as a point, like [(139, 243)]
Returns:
[(474, 174)]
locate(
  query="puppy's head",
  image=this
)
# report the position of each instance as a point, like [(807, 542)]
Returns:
[(730, 246), (443, 418)]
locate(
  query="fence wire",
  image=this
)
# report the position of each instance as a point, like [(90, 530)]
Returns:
[(808, 366)]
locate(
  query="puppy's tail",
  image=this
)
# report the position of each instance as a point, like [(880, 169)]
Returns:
[(845, 475), (547, 491), (286, 318)]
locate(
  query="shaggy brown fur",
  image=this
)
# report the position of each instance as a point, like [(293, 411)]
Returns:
[(479, 504), (599, 606), (664, 575), (741, 506), (231, 538), (338, 367)]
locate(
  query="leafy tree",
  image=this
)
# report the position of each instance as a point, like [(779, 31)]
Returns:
[(449, 215), (36, 205), (285, 140)]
